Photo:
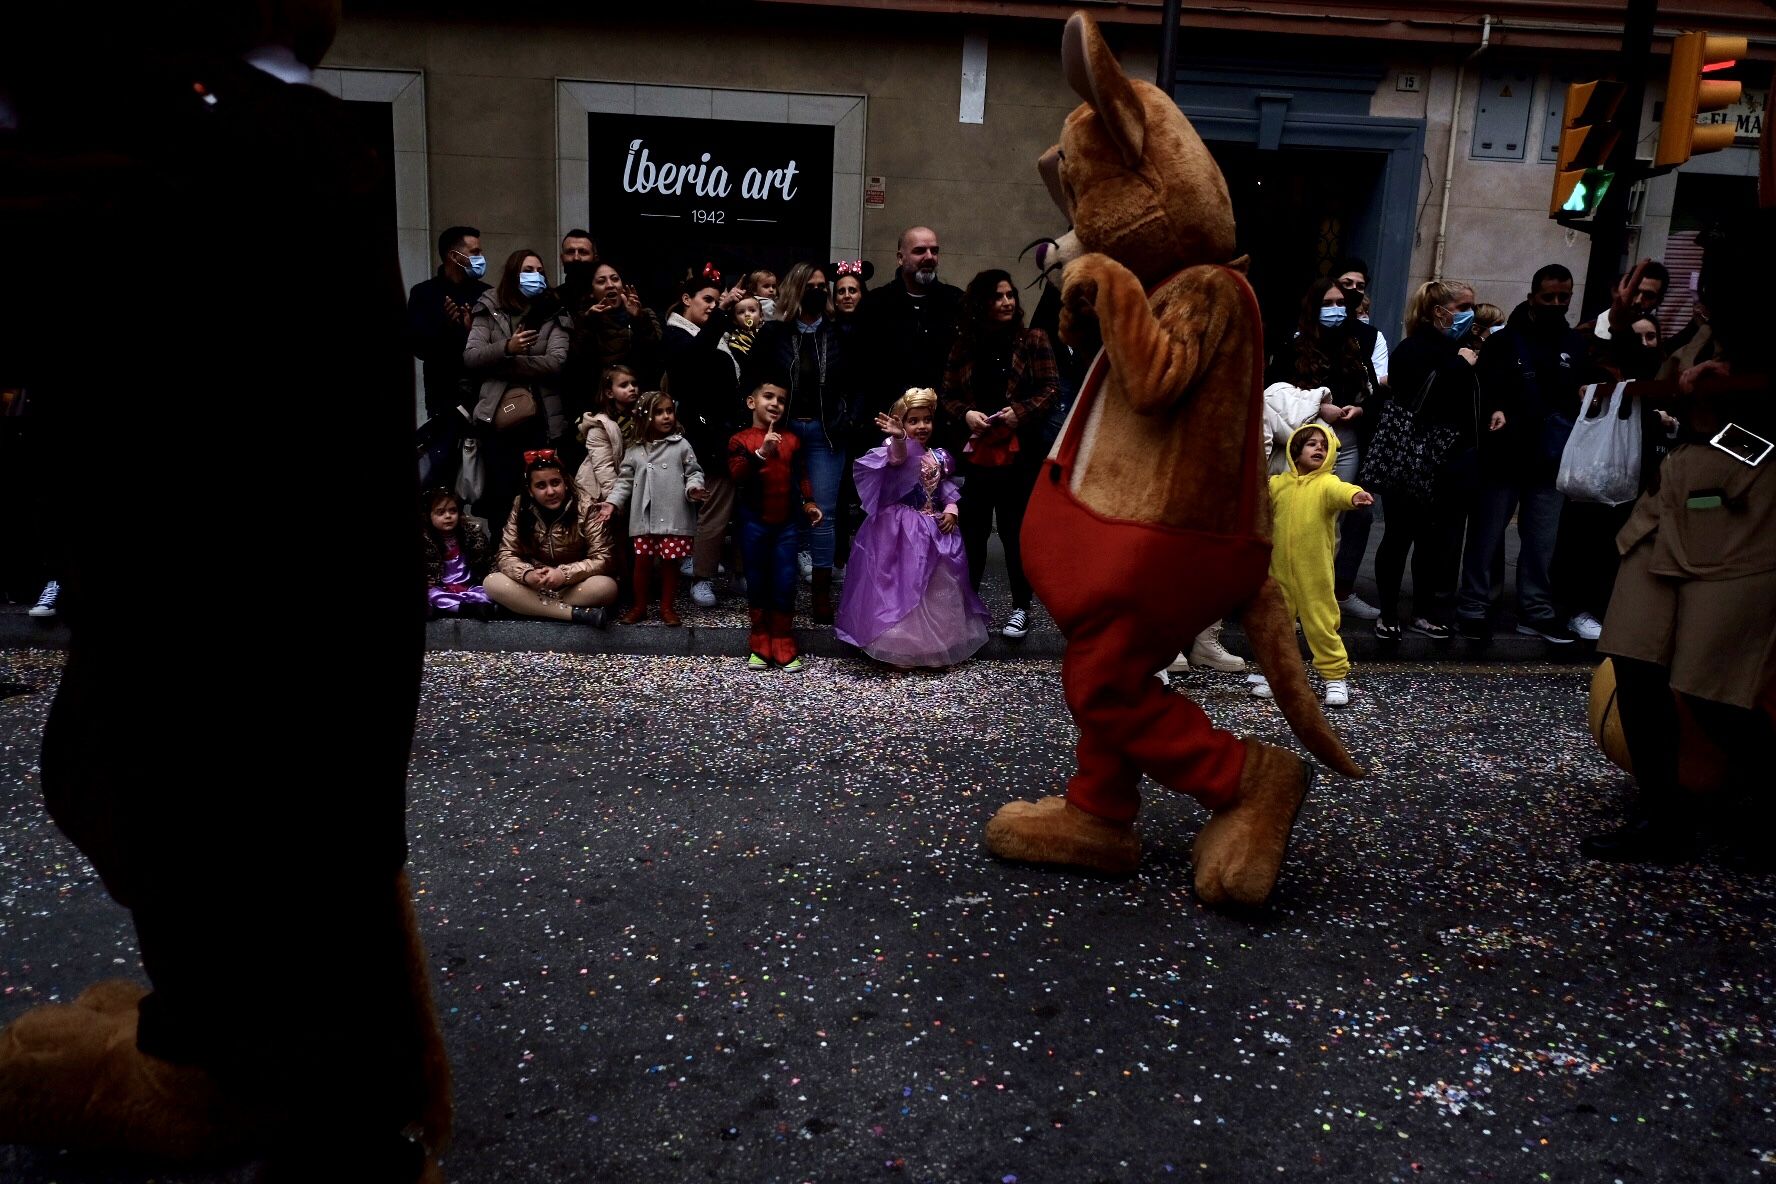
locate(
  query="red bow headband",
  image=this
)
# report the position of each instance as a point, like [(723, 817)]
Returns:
[(541, 455), (711, 274), (853, 267)]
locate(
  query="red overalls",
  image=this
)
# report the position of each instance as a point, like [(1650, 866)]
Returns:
[(1129, 597)]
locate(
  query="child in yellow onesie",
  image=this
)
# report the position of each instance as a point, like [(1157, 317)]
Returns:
[(1307, 500)]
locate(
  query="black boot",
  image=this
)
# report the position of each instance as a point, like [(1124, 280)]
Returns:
[(596, 617)]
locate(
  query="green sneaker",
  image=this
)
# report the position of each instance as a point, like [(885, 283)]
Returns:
[(793, 666), (757, 663)]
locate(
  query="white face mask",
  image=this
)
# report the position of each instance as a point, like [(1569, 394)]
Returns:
[(475, 265), (532, 282)]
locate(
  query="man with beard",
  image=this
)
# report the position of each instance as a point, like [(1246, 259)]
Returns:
[(909, 323), (1532, 369)]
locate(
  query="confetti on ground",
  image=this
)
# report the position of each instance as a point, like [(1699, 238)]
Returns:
[(687, 922)]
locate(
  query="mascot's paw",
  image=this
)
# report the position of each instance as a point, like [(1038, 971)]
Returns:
[(1240, 849), (1055, 831), (71, 1076)]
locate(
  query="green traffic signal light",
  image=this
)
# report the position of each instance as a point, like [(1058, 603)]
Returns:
[(1588, 191)]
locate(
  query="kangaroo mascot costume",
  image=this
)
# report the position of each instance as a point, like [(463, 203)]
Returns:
[(1150, 519)]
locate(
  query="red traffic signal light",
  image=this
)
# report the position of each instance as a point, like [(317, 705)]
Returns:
[(1688, 94), (1587, 138)]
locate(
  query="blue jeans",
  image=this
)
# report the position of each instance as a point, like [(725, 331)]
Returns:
[(1538, 526), (769, 552), (1353, 524), (826, 472)]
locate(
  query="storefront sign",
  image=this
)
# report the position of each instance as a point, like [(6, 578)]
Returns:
[(875, 193), (669, 195)]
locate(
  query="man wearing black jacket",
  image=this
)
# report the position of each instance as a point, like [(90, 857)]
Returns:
[(910, 322), (438, 313), (1532, 369)]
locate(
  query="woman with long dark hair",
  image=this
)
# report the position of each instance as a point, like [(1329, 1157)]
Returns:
[(999, 382)]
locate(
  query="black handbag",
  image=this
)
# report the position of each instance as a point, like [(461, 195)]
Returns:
[(1405, 458)]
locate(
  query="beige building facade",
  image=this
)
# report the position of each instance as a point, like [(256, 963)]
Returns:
[(1335, 134)]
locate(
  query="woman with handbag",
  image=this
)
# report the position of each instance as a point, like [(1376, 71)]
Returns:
[(1424, 437), (518, 340), (998, 386)]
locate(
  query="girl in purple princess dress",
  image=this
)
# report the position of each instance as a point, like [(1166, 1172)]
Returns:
[(458, 555), (907, 599)]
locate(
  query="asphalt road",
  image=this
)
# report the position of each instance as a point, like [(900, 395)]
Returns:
[(689, 923)]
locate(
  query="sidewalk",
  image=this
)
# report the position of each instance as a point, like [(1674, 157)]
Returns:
[(721, 631)]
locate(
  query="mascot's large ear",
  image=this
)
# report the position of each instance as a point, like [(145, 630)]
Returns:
[(1048, 165), (1095, 76)]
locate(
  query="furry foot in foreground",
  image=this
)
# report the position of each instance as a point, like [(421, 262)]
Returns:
[(1240, 850), (1055, 831)]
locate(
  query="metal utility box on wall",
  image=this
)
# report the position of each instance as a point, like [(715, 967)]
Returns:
[(1501, 117)]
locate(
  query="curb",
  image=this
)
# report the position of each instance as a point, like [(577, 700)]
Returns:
[(18, 631)]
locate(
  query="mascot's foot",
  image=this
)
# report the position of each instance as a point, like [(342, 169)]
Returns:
[(1054, 830), (71, 1076), (1240, 849)]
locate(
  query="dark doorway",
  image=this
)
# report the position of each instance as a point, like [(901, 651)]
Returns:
[(1298, 211), (375, 125)]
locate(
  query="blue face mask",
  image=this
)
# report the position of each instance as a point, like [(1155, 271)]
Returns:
[(1332, 316), (476, 266), (1458, 328), (533, 282)]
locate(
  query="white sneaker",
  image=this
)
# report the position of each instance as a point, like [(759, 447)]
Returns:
[(46, 603), (805, 561), (1180, 665), (703, 594), (1017, 624), (687, 568), (1208, 653), (1586, 626), (1355, 606), (1261, 689), (1338, 693)]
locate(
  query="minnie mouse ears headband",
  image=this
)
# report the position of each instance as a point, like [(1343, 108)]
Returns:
[(863, 269)]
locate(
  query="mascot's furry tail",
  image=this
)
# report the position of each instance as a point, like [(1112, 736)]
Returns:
[(1272, 635)]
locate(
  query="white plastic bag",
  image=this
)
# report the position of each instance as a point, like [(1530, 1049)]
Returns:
[(1602, 458)]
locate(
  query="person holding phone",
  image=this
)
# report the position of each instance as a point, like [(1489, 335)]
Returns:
[(518, 343), (610, 328)]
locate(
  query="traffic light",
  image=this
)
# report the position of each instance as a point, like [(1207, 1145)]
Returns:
[(1588, 135), (1688, 94)]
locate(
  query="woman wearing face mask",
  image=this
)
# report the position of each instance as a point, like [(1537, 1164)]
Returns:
[(518, 343), (805, 353), (1432, 377), (1326, 372), (703, 377)]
